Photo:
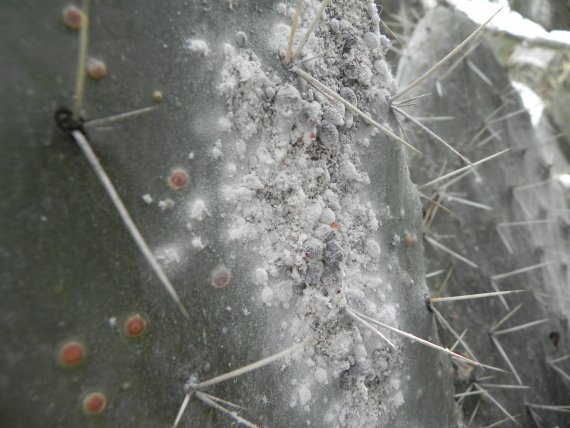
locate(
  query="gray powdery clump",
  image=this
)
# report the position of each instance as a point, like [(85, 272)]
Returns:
[(299, 207)]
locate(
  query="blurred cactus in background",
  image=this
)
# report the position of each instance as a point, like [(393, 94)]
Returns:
[(514, 208)]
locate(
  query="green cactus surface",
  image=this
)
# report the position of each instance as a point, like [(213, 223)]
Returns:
[(279, 278)]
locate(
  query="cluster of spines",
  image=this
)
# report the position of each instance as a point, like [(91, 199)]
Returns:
[(477, 386)]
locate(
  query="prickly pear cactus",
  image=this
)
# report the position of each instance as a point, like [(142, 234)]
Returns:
[(507, 224), (278, 214)]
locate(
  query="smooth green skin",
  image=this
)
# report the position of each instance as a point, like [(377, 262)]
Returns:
[(66, 276), (69, 265), (470, 100)]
